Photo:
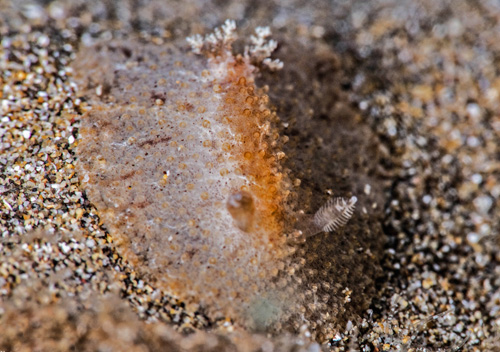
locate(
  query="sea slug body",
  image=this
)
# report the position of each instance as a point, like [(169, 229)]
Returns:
[(180, 157)]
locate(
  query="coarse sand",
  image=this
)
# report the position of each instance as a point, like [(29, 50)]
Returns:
[(395, 102)]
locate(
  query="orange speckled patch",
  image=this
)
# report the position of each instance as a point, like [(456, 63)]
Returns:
[(251, 122)]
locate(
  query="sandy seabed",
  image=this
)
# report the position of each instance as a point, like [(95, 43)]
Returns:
[(396, 102)]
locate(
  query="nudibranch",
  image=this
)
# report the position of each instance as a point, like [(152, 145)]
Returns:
[(181, 156)]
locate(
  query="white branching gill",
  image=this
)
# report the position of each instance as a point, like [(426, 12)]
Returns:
[(335, 213), (215, 43), (273, 65), (261, 49), (220, 40)]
